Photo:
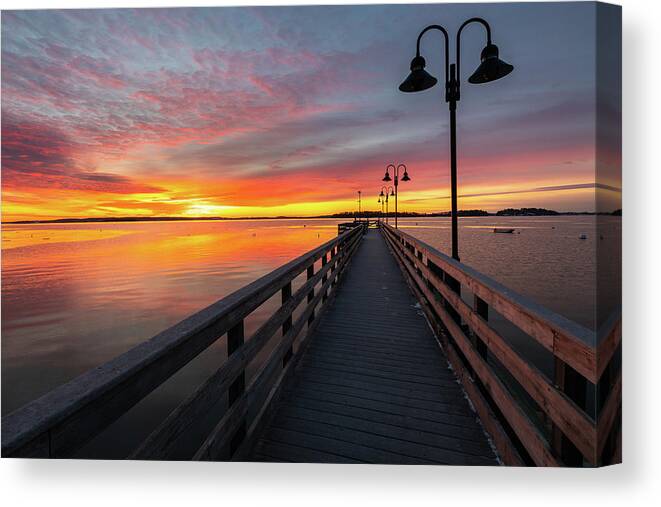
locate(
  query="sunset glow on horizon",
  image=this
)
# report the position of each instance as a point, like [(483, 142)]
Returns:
[(236, 112)]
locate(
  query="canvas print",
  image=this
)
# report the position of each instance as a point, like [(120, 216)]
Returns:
[(383, 234)]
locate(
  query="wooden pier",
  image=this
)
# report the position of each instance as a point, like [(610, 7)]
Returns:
[(378, 358), (368, 391)]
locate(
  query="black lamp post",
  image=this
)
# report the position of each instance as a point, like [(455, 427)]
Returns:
[(387, 177), (359, 204), (383, 198), (490, 69)]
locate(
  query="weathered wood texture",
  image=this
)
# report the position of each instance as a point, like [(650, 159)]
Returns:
[(374, 386), (62, 421), (469, 340)]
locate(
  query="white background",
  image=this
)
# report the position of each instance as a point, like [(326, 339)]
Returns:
[(101, 483)]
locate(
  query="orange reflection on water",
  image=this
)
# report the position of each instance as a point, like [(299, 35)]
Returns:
[(26, 236), (92, 291), (153, 247)]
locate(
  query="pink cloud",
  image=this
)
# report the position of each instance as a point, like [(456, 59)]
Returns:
[(40, 156)]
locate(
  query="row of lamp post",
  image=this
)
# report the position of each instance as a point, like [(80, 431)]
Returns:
[(490, 69), (392, 191), (387, 178), (383, 199)]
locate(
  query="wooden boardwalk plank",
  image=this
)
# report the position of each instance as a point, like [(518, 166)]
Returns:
[(296, 453), (376, 346), (431, 371), (351, 450), (376, 441), (381, 375), (388, 412), (332, 353), (390, 425), (374, 386), (414, 394), (371, 353), (428, 409)]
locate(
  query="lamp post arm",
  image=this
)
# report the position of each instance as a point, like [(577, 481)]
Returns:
[(447, 45), (484, 23), (394, 170)]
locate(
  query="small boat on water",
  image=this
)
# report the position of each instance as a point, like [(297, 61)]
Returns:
[(503, 230)]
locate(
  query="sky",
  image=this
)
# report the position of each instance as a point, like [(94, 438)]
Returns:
[(269, 111)]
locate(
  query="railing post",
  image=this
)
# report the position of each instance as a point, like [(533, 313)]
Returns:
[(334, 253), (604, 385), (235, 339), (286, 325), (574, 385), (324, 278), (332, 257), (482, 309), (455, 286), (311, 293), (418, 255), (603, 389)]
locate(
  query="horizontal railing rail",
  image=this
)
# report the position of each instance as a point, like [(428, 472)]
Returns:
[(571, 436), (61, 422)]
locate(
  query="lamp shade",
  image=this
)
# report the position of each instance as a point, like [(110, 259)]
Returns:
[(419, 79), (387, 177), (491, 67), (406, 177)]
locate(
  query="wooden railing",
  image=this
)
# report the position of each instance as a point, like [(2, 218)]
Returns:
[(357, 222), (498, 378), (62, 421)]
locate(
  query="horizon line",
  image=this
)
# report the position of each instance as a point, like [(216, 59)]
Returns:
[(340, 214)]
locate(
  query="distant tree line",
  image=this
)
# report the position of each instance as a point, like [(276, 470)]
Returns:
[(344, 214), (526, 212), (411, 214)]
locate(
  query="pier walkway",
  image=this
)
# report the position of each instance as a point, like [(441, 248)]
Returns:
[(374, 386), (353, 366)]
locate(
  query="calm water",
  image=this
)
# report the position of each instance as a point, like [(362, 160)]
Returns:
[(544, 259), (76, 295)]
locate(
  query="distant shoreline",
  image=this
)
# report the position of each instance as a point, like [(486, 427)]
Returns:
[(510, 212)]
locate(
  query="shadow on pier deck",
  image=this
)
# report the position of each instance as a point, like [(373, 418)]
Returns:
[(374, 386), (347, 369)]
